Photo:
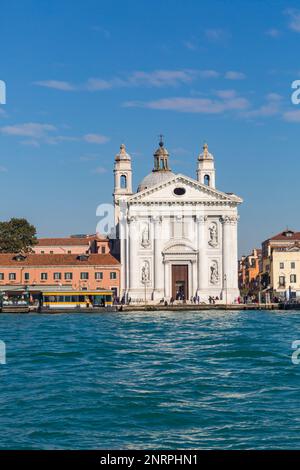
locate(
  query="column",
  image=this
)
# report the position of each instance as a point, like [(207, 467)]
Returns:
[(195, 277), (190, 281), (234, 258), (230, 257), (202, 258), (226, 252), (157, 257), (123, 254), (167, 292), (132, 253)]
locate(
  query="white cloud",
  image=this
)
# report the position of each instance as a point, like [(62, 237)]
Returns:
[(101, 30), (56, 85), (100, 170), (271, 107), (294, 19), (37, 133), (30, 129), (232, 75), (226, 94), (160, 78), (61, 138), (3, 169), (292, 116), (155, 79), (273, 33), (95, 84), (193, 105), (179, 151), (216, 34), (87, 157), (208, 74), (191, 45), (95, 138), (31, 143)]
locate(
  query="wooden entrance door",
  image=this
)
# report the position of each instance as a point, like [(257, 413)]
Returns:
[(180, 277)]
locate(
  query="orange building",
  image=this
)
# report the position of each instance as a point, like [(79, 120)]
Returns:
[(249, 269), (75, 244), (66, 271)]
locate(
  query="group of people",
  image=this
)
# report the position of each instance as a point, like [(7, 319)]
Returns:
[(213, 300)]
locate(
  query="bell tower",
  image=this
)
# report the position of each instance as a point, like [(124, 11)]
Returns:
[(123, 172), (123, 179), (206, 173)]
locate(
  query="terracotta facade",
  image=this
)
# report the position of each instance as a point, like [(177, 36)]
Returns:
[(86, 272)]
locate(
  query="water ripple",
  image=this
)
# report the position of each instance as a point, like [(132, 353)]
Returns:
[(161, 380)]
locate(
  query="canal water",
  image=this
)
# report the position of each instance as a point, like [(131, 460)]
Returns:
[(150, 380)]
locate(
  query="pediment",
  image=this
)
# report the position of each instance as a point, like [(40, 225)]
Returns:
[(179, 247), (192, 190), (293, 248)]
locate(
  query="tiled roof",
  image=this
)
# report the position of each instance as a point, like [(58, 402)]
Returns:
[(58, 260), (286, 235), (69, 241), (63, 241)]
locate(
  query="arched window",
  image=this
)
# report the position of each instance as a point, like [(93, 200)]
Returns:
[(123, 181), (207, 180)]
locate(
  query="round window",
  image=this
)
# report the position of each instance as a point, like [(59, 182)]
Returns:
[(179, 191)]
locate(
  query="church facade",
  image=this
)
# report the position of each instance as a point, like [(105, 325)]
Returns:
[(177, 235)]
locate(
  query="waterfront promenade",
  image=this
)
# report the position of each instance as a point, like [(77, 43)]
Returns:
[(149, 308)]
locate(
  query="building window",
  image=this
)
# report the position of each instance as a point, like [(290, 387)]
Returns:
[(12, 276), (44, 276), (1, 276), (281, 281), (281, 265), (103, 250), (42, 252), (207, 180), (69, 252), (51, 252), (57, 276), (113, 275), (84, 276), (123, 182), (293, 265), (293, 278), (179, 191), (99, 276), (68, 276), (26, 276)]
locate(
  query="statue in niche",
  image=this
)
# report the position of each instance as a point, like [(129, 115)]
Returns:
[(145, 237), (145, 276), (213, 235), (214, 273)]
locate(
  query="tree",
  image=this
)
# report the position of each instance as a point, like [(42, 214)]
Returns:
[(16, 236)]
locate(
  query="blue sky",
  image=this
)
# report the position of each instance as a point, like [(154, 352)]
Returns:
[(83, 77)]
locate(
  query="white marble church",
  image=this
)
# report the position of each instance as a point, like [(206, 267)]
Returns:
[(178, 235)]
